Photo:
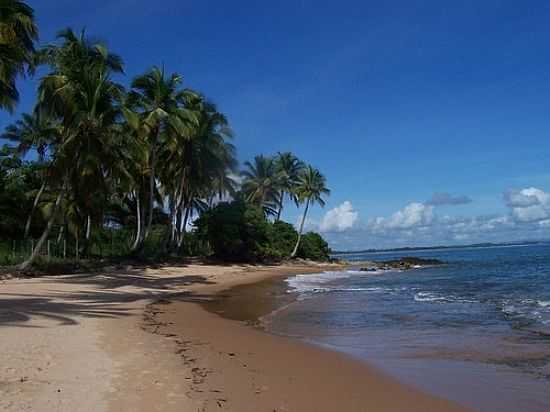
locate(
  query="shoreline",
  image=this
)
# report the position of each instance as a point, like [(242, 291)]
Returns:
[(143, 340), (281, 373)]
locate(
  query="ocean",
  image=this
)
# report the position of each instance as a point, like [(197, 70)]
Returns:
[(475, 330)]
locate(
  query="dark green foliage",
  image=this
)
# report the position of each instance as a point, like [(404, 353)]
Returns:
[(282, 237), (239, 231), (313, 246), (14, 184), (236, 231)]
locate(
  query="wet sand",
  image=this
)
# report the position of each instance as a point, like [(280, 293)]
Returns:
[(241, 368)]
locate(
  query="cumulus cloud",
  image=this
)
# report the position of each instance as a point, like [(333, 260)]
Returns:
[(339, 219), (420, 224), (529, 204), (413, 215), (442, 198)]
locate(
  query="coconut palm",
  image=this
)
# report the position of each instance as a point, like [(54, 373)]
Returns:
[(18, 32), (288, 168), (261, 184), (310, 189), (194, 161), (158, 106), (80, 94)]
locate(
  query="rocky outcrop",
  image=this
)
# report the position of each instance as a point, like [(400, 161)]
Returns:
[(404, 263)]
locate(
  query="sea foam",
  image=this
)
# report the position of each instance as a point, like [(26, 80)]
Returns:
[(319, 283)]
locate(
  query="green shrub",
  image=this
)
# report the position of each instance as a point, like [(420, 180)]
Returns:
[(235, 231), (239, 231), (314, 247), (282, 238)]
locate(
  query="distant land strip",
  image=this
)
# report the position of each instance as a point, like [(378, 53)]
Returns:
[(417, 248)]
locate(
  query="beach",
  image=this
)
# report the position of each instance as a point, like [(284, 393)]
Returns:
[(145, 339)]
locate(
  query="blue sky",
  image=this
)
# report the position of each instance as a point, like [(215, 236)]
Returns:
[(393, 101)]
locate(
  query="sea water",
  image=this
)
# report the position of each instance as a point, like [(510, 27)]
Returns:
[(475, 330)]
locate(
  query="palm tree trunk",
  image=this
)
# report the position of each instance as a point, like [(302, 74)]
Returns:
[(34, 205), (174, 220), (301, 230), (179, 218), (152, 184), (180, 205), (88, 227), (60, 234), (184, 224), (281, 200), (86, 244), (137, 240), (45, 234), (169, 235)]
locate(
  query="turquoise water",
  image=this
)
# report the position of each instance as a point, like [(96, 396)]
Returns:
[(476, 330)]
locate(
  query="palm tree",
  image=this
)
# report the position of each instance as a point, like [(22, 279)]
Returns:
[(132, 188), (260, 184), (194, 162), (157, 106), (289, 168), (36, 132), (311, 188), (18, 32), (80, 94)]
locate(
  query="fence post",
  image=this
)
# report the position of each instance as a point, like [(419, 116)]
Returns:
[(48, 250), (76, 251), (64, 248)]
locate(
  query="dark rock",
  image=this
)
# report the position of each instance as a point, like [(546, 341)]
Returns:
[(404, 263)]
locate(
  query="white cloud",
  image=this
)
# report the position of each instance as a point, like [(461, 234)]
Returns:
[(419, 224), (529, 204), (339, 219), (413, 215)]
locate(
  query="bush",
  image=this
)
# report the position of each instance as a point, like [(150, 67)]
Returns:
[(235, 231), (314, 247), (282, 238), (239, 231)]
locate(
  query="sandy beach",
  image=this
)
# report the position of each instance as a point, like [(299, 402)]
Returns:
[(142, 339)]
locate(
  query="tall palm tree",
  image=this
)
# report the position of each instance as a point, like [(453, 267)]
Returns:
[(310, 189), (80, 94), (260, 184), (18, 32), (157, 105), (194, 162), (289, 168), (132, 189)]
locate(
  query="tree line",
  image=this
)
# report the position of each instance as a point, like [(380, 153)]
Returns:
[(150, 156)]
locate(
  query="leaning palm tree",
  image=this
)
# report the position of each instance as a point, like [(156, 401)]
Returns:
[(261, 183), (310, 189), (289, 168), (18, 32), (157, 106), (40, 133), (78, 92)]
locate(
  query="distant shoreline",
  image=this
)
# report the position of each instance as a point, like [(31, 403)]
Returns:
[(440, 247)]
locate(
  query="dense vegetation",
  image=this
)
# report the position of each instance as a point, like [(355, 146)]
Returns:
[(147, 169)]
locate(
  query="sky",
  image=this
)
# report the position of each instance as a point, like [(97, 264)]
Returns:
[(430, 119)]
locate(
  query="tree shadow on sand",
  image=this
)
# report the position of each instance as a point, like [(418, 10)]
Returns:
[(98, 295)]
